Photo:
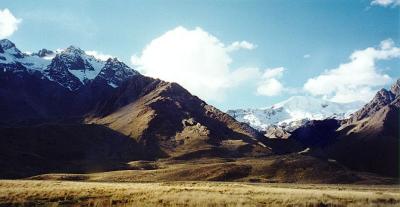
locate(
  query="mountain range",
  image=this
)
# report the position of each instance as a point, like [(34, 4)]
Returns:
[(293, 112), (67, 112), (158, 118)]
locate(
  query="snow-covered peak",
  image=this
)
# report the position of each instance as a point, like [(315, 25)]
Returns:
[(8, 47), (11, 55), (114, 62), (313, 108), (115, 72), (6, 44), (74, 50), (71, 67), (294, 111)]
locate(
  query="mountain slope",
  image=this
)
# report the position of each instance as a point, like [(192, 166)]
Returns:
[(32, 150), (74, 88), (168, 120), (370, 139), (371, 144)]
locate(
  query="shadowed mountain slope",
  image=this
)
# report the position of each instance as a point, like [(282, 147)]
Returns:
[(371, 144), (32, 150)]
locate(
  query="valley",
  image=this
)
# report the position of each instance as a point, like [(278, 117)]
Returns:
[(79, 130)]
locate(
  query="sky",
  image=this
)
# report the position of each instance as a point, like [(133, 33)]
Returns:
[(231, 53)]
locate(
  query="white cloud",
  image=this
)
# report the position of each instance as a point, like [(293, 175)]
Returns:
[(273, 73), (195, 59), (98, 55), (241, 45), (306, 56), (356, 80), (386, 3), (241, 75), (8, 23), (270, 85)]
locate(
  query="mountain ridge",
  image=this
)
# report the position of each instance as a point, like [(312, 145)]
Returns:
[(293, 112), (71, 67)]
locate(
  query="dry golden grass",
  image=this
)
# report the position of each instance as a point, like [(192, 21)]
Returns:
[(66, 193), (273, 169)]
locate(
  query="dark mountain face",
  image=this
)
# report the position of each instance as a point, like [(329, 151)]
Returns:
[(44, 52), (316, 133), (371, 144), (369, 141), (58, 71), (115, 72), (74, 148)]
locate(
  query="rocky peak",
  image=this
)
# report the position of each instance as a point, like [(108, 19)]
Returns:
[(62, 66), (9, 47), (115, 72), (6, 44), (74, 50), (43, 53), (383, 96), (114, 62), (73, 59), (395, 89)]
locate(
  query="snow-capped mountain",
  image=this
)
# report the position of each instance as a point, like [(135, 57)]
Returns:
[(71, 67), (293, 112)]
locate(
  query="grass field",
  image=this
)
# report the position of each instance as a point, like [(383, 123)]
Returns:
[(72, 193), (273, 169)]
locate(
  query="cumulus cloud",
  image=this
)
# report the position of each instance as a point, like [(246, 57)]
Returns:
[(197, 60), (306, 56), (386, 3), (98, 55), (356, 80), (8, 23), (270, 84), (241, 45)]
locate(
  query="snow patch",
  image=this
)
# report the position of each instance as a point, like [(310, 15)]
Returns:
[(113, 85)]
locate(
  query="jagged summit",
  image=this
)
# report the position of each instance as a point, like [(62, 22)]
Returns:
[(395, 88), (382, 98), (72, 68), (6, 44), (73, 49), (115, 72), (44, 53)]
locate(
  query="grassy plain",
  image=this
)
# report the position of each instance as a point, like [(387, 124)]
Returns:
[(75, 193)]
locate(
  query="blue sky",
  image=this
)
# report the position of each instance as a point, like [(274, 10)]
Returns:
[(289, 43)]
